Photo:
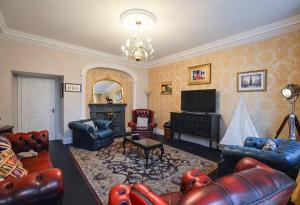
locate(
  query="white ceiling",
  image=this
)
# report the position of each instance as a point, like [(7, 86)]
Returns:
[(182, 24)]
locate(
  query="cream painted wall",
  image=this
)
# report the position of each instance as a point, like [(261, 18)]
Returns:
[(280, 56), (29, 57)]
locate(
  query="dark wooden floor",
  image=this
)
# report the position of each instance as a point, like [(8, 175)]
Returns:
[(77, 191)]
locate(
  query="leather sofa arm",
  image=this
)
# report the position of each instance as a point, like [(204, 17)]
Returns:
[(132, 124), (37, 188), (249, 163), (273, 159), (81, 127), (137, 194), (152, 124), (193, 179)]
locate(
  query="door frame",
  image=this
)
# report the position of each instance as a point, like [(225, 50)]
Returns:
[(58, 118)]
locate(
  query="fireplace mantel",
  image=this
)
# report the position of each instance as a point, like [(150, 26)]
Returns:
[(114, 112)]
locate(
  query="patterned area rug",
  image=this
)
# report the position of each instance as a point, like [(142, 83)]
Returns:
[(109, 166)]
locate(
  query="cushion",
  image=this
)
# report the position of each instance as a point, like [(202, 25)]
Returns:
[(104, 133), (43, 156), (90, 123), (10, 165), (29, 154), (269, 146), (142, 122)]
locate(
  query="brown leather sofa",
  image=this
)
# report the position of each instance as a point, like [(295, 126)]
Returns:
[(252, 183), (43, 184)]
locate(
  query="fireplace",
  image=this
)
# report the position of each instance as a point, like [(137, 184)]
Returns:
[(113, 112)]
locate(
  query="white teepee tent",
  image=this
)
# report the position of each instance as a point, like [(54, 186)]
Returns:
[(240, 127)]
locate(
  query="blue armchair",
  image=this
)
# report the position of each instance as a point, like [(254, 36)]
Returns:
[(285, 158), (86, 137)]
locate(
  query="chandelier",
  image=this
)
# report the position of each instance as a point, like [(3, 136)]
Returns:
[(138, 21)]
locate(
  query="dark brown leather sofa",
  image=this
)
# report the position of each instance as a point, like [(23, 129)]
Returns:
[(43, 184), (252, 183)]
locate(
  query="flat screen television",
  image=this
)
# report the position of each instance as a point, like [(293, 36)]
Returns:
[(198, 100)]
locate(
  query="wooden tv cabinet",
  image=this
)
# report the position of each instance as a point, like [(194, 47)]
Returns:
[(203, 125)]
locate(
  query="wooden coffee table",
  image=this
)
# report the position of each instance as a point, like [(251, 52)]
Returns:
[(146, 144)]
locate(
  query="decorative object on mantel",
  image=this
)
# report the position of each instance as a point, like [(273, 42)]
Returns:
[(240, 127), (290, 93), (200, 74), (72, 87), (166, 88), (252, 81), (138, 20), (108, 100)]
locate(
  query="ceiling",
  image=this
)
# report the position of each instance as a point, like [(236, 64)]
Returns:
[(182, 24)]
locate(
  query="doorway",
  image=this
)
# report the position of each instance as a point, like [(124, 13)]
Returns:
[(39, 105)]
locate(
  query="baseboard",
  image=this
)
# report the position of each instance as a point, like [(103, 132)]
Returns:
[(67, 140)]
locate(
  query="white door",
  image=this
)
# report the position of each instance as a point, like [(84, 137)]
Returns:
[(37, 102)]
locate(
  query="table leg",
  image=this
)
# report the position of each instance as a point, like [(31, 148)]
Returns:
[(124, 143), (147, 155), (162, 151)]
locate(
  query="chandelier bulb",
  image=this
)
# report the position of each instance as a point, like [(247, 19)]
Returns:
[(128, 43)]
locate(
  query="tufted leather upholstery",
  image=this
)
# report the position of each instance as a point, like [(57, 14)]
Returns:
[(253, 183), (86, 137), (43, 184), (143, 131), (23, 142), (285, 158)]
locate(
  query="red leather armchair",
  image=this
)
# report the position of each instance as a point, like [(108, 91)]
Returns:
[(43, 184), (143, 131), (252, 183)]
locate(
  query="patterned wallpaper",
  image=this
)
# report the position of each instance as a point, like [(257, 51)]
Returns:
[(97, 74), (279, 55)]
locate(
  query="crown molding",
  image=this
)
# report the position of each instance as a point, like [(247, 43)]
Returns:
[(260, 33), (15, 35)]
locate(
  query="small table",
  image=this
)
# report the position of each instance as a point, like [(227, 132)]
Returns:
[(6, 129), (146, 144)]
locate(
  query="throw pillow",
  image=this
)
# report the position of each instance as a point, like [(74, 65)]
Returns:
[(10, 165), (30, 153), (90, 123), (269, 146), (142, 122), (4, 143)]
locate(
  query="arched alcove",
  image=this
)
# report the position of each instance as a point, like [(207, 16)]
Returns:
[(124, 79)]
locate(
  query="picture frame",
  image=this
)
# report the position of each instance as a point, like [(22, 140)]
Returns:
[(252, 81), (200, 74), (166, 88), (118, 95), (72, 87)]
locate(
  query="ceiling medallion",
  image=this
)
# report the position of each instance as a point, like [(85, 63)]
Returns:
[(138, 21)]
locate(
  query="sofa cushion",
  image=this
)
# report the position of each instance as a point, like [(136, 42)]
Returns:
[(90, 123), (103, 133), (142, 122), (10, 165), (269, 146), (29, 154), (38, 167), (42, 157)]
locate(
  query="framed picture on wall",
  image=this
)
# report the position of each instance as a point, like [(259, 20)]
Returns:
[(118, 95), (72, 87), (166, 88), (252, 81), (200, 74)]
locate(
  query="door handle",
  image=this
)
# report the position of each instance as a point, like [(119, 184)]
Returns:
[(53, 110)]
